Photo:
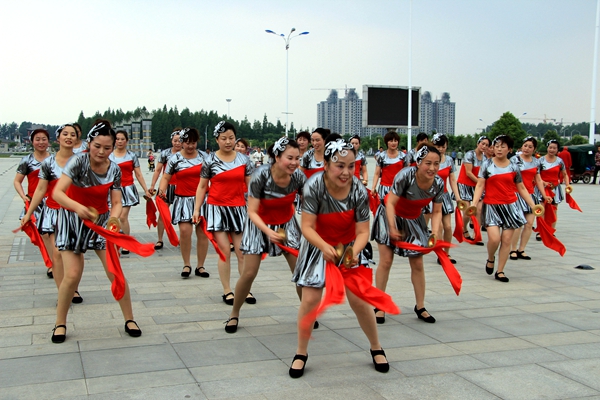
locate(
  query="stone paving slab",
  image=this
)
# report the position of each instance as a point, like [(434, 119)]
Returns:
[(535, 337)]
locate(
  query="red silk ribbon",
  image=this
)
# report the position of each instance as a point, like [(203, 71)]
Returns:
[(290, 250), (458, 228), (36, 239), (572, 203), (165, 214), (546, 233), (211, 238), (449, 268), (113, 265), (374, 201), (358, 280), (150, 213)]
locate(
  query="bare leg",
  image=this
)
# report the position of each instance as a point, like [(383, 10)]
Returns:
[(49, 244), (506, 238), (310, 299), (291, 260), (236, 239), (160, 228), (527, 229), (185, 241), (124, 219), (366, 320), (446, 228), (244, 284), (514, 245), (73, 269), (201, 246), (125, 302), (386, 257), (493, 234), (224, 266), (417, 277)]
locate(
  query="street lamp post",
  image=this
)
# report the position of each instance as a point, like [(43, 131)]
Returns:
[(228, 103), (287, 63)]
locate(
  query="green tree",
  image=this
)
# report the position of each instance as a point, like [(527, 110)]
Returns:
[(578, 139), (509, 125)]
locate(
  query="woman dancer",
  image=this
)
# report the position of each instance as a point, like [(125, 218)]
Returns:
[(50, 171), (225, 211), (412, 189), (162, 159), (333, 195), (312, 161), (530, 173), (501, 179), (186, 165), (29, 168), (360, 169), (272, 192), (303, 140), (129, 164), (446, 172), (389, 163), (80, 145), (552, 168), (87, 181), (241, 146), (467, 177)]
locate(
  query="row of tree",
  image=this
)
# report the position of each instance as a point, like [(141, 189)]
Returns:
[(265, 133)]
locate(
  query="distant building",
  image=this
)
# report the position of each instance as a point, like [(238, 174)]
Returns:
[(438, 115), (344, 116), (139, 133)]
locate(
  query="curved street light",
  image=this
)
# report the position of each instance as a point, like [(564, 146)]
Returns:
[(287, 63)]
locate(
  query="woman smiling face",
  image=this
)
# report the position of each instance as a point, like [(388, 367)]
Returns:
[(340, 169)]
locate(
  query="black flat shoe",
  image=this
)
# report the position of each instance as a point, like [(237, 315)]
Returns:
[(227, 301), (251, 299), (159, 245), (77, 299), (380, 367), (49, 273), (124, 252), (538, 237), (59, 338), (316, 325), (452, 260), (502, 278), (297, 373), (420, 312), (514, 255), (232, 328), (201, 272), (133, 332), (187, 270), (488, 270), (380, 320), (480, 244), (522, 256)]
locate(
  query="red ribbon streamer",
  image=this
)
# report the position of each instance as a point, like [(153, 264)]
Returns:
[(572, 203), (36, 239), (374, 201), (458, 228), (549, 210), (290, 250), (449, 268), (546, 233), (211, 238), (359, 281), (113, 265), (150, 213), (165, 214)]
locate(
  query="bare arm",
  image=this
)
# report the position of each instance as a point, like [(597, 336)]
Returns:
[(115, 203), (141, 180), (365, 174), (200, 194), (454, 187), (253, 205), (478, 191), (38, 196), (60, 196), (156, 174), (376, 177), (436, 218), (18, 184), (390, 214), (164, 184), (525, 195), (469, 171), (540, 185)]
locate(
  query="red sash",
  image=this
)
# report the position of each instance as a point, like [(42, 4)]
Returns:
[(150, 213), (550, 175), (374, 201), (277, 211), (126, 173), (389, 172), (357, 167), (409, 209), (50, 202), (32, 182), (312, 171), (458, 228), (165, 214), (36, 239), (211, 238), (547, 235), (464, 178), (500, 189), (337, 227), (445, 174), (528, 179), (190, 178), (227, 188), (95, 196)]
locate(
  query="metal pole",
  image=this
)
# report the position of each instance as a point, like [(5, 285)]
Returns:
[(287, 90), (409, 140), (594, 73)]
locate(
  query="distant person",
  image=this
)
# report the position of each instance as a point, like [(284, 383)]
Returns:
[(459, 156), (241, 146), (303, 140), (411, 160), (597, 166), (453, 156), (566, 157), (379, 152), (313, 160), (257, 157)]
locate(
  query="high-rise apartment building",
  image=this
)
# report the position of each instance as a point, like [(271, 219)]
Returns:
[(438, 115), (344, 116)]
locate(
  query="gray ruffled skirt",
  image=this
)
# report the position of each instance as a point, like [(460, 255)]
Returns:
[(254, 241), (505, 216), (225, 218), (129, 196), (73, 235), (46, 223)]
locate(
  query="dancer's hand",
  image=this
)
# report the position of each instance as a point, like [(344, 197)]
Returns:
[(275, 237), (329, 253)]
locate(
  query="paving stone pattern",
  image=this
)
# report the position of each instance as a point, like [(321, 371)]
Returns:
[(536, 337)]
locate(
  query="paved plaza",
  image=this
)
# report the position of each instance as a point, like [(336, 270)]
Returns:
[(536, 337)]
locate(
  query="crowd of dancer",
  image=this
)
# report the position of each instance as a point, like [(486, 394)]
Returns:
[(80, 199)]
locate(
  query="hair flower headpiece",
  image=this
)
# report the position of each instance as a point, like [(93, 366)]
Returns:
[(280, 145), (220, 128), (339, 146)]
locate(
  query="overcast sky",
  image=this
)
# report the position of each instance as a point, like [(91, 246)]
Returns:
[(58, 58)]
